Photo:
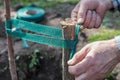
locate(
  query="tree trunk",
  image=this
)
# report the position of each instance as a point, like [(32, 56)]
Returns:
[(11, 58), (69, 34)]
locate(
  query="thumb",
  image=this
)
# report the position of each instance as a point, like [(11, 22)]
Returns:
[(74, 13), (82, 13), (79, 56)]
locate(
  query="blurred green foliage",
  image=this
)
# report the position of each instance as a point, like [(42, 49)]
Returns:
[(42, 3), (104, 34)]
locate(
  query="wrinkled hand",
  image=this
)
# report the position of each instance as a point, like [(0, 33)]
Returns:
[(95, 61), (90, 13), (0, 13)]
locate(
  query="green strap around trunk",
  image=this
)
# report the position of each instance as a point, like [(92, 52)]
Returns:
[(41, 34), (38, 28)]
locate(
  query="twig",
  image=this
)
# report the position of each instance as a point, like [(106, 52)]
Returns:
[(11, 58)]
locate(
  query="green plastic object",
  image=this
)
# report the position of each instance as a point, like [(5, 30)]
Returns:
[(31, 13), (38, 28), (73, 50), (41, 34)]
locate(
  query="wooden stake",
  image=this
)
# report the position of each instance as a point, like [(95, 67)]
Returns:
[(69, 34), (11, 59)]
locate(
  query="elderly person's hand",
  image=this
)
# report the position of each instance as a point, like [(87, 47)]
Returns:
[(1, 12), (90, 13), (95, 61)]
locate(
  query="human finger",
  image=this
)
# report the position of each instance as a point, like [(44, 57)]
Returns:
[(80, 67), (90, 74), (83, 76), (74, 12), (98, 21), (79, 56), (82, 13), (93, 20), (88, 19)]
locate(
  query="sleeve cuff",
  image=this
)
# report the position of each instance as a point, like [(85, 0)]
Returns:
[(116, 4), (117, 40)]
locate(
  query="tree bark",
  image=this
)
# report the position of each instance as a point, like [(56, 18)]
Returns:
[(68, 34), (12, 65)]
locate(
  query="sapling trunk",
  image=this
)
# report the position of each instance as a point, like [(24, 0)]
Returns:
[(69, 34), (12, 65)]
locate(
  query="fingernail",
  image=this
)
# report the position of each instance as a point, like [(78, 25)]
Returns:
[(80, 20), (69, 62), (82, 28)]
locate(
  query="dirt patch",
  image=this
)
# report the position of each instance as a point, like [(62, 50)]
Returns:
[(48, 66)]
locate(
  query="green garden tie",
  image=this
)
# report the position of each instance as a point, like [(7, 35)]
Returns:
[(47, 35)]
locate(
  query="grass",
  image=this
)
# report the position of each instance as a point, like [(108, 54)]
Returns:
[(42, 3), (104, 34)]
